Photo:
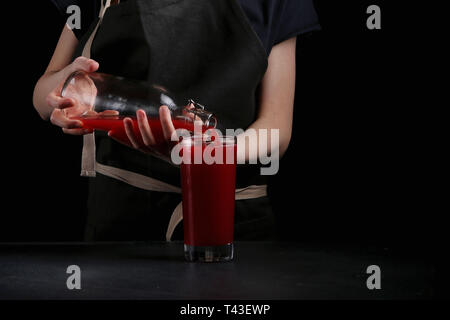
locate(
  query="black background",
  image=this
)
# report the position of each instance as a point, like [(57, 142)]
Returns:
[(358, 168), (354, 171)]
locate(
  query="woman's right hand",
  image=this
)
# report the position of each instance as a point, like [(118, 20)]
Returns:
[(64, 108)]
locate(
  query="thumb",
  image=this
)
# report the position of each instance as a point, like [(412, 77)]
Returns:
[(84, 64)]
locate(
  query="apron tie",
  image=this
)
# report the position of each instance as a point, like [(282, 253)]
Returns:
[(150, 184), (88, 154)]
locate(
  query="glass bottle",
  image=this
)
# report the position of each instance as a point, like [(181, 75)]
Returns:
[(103, 95), (102, 101)]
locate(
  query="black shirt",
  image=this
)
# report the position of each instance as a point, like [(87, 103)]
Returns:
[(273, 20)]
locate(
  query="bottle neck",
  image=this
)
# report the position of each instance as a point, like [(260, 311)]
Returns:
[(197, 112)]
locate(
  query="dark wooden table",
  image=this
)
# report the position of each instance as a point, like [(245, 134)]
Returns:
[(157, 270)]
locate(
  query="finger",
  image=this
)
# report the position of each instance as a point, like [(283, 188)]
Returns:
[(188, 111), (76, 111), (66, 103), (90, 113), (128, 125), (166, 122), (108, 113), (55, 101), (77, 132), (144, 128), (59, 119), (72, 107), (84, 64)]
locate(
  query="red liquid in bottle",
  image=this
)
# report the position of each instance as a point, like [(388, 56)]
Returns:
[(115, 125), (208, 201)]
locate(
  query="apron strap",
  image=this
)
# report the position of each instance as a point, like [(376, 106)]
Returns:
[(87, 47), (150, 184), (88, 153), (135, 179)]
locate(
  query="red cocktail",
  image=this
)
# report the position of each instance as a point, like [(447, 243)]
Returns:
[(208, 189)]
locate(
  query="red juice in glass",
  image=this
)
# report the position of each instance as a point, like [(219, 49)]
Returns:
[(208, 190)]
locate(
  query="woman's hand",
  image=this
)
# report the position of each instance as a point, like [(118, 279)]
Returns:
[(65, 108), (158, 142)]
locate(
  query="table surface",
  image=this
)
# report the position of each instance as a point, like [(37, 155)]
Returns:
[(157, 270)]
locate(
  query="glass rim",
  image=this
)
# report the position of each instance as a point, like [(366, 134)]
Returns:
[(206, 138)]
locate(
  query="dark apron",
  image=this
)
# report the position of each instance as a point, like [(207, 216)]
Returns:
[(200, 49)]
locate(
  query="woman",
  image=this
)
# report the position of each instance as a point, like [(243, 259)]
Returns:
[(237, 57)]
